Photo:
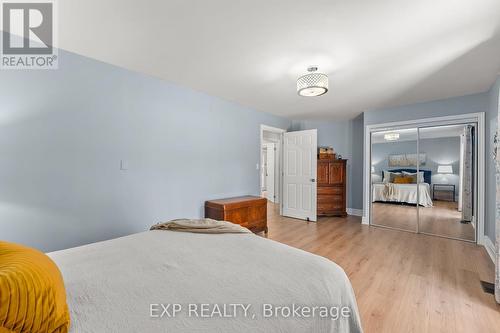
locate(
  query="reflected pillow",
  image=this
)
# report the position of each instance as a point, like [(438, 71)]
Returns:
[(420, 176), (389, 176), (32, 294), (413, 178), (402, 180)]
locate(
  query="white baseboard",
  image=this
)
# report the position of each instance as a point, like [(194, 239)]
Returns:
[(490, 247), (354, 211), (364, 220)]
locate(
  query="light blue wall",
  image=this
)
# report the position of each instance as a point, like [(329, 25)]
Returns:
[(357, 142), (64, 132), (330, 133), (346, 137), (447, 107), (438, 151)]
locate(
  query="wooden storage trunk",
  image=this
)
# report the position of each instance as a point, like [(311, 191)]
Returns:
[(247, 211)]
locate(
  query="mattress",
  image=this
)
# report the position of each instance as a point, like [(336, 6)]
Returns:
[(124, 284), (404, 193)]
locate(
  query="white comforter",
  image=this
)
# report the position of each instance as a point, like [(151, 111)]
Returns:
[(111, 285), (402, 193)]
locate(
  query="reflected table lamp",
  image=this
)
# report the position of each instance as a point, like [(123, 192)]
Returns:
[(445, 169)]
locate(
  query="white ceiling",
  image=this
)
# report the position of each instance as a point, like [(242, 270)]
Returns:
[(377, 53)]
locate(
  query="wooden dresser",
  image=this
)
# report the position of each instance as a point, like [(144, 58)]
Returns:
[(247, 211), (332, 177)]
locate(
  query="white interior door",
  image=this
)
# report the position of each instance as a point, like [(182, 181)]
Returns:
[(270, 167), (299, 179)]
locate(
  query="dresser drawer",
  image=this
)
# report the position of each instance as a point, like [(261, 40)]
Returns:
[(330, 190), (330, 201), (331, 176)]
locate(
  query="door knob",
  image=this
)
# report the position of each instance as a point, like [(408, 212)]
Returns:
[(313, 180)]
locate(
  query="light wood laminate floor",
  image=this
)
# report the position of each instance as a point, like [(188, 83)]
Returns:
[(441, 219), (404, 282)]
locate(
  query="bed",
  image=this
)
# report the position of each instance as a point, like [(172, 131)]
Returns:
[(117, 285), (404, 193)]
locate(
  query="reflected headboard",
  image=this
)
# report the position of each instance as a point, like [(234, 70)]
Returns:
[(427, 173)]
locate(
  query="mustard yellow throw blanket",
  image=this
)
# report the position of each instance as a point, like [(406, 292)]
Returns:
[(204, 226)]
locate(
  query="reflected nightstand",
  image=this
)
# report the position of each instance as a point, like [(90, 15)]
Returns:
[(443, 189)]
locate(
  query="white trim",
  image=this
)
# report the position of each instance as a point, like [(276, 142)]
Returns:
[(354, 212), (270, 129), (481, 177), (433, 121), (280, 151), (490, 248), (436, 121), (367, 170)]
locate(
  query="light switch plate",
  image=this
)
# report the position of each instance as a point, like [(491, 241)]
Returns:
[(123, 165)]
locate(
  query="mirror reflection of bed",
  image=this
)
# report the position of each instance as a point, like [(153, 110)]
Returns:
[(443, 186)]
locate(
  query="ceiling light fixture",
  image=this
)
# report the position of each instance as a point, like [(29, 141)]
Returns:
[(312, 84), (391, 136)]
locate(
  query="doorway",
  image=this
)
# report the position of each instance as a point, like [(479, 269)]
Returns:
[(425, 178), (270, 169), (288, 163)]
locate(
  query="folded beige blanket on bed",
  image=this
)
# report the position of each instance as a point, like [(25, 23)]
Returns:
[(205, 226), (389, 191)]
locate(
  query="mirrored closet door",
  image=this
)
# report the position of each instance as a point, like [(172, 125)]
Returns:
[(424, 180), (394, 182), (451, 160)]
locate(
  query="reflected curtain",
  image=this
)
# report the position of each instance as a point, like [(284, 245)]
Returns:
[(467, 173)]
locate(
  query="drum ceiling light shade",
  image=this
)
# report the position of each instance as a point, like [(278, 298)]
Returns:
[(391, 136), (312, 84)]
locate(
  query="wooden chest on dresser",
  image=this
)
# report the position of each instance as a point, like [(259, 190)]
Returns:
[(247, 211), (332, 177)]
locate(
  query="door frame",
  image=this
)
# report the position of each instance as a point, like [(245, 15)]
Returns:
[(279, 175), (271, 149), (478, 117)]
